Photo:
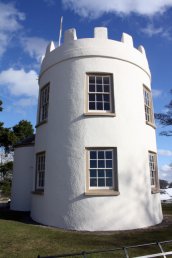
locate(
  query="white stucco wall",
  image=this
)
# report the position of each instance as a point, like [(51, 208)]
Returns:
[(68, 132), (22, 178)]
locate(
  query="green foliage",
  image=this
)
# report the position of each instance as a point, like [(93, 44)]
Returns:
[(6, 167), (5, 186), (1, 106), (10, 136), (165, 119), (163, 184)]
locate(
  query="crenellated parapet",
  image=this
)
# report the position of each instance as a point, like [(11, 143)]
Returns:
[(99, 45)]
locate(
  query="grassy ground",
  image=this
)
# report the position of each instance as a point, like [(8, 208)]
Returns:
[(21, 238)]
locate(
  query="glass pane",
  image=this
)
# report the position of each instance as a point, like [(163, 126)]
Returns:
[(93, 173), (99, 97), (93, 154), (101, 163), (93, 182), (92, 88), (99, 80), (100, 154), (93, 163), (101, 173), (101, 182), (99, 88), (106, 97), (91, 105), (91, 79), (91, 97), (109, 182), (99, 106), (106, 80), (108, 154), (106, 106), (108, 172), (106, 88), (109, 163)]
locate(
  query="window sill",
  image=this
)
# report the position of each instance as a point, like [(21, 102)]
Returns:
[(99, 114), (41, 123), (102, 193), (152, 125), (38, 192), (155, 190)]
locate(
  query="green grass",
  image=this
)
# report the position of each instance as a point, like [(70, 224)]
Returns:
[(20, 239)]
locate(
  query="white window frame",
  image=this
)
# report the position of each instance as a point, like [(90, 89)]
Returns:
[(153, 169), (102, 93), (148, 105), (44, 103), (100, 168), (40, 170)]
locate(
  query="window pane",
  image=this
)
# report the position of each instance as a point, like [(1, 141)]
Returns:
[(101, 182), (108, 172), (93, 182), (92, 88), (101, 163), (108, 154), (91, 79), (93, 163), (106, 80), (99, 88), (99, 97), (109, 182), (109, 163), (91, 97), (93, 173), (101, 173), (106, 106), (106, 88), (93, 154), (99, 80), (100, 154), (106, 97), (99, 106), (92, 105)]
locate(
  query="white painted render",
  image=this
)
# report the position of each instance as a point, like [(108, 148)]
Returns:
[(69, 131), (22, 178)]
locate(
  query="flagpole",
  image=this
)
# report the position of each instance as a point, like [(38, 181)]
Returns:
[(60, 32)]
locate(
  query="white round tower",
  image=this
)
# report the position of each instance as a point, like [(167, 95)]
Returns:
[(95, 146)]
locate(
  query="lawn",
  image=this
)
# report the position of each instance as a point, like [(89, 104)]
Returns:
[(21, 238)]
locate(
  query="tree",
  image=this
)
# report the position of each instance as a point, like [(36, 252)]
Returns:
[(165, 119), (163, 184)]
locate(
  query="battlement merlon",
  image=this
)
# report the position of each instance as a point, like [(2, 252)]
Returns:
[(99, 45)]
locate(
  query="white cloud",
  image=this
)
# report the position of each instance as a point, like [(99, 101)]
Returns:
[(167, 153), (26, 102), (34, 46), (156, 93), (19, 82), (95, 8), (10, 22), (50, 2), (165, 172), (150, 30)]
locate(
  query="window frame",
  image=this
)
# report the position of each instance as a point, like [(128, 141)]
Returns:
[(104, 191), (154, 175), (95, 112), (41, 117), (37, 174), (150, 113)]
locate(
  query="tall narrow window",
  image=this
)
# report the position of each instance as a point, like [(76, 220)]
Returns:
[(44, 101), (40, 171), (102, 169), (100, 93), (153, 170), (149, 116)]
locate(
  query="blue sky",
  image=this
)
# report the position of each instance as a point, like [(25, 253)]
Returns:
[(26, 27)]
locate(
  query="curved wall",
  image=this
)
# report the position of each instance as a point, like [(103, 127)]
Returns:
[(69, 131), (22, 178)]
